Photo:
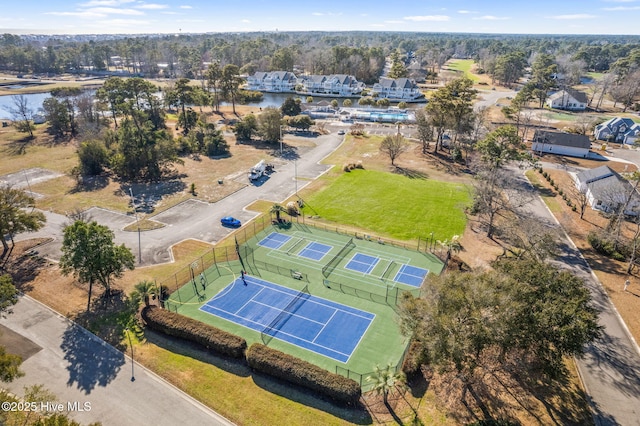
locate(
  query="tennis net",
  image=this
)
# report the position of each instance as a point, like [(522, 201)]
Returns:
[(331, 265), (272, 328)]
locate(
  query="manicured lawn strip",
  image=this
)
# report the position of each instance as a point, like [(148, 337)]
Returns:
[(393, 205), (544, 190), (463, 65)]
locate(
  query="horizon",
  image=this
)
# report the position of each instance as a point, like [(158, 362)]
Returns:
[(497, 17)]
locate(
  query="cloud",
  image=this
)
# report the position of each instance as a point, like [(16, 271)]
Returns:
[(467, 12), (326, 14), (151, 6), (573, 17), (186, 6), (114, 11), (394, 22), (245, 21), (619, 8), (85, 14), (98, 3), (423, 18), (491, 18)]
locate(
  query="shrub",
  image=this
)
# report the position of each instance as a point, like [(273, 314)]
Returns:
[(294, 370), (574, 208), (545, 175), (561, 192), (605, 247), (551, 181), (414, 359), (210, 337)]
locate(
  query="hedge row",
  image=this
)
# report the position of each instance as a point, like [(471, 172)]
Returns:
[(187, 328), (299, 372)]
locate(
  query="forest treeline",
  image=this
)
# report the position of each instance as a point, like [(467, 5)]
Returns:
[(361, 54)]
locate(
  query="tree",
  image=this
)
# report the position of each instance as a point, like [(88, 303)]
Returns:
[(56, 115), (398, 68), (246, 127), (8, 294), (145, 290), (230, 83), (291, 106), (214, 76), (385, 380), (425, 130), (9, 366), (542, 72), (184, 96), (393, 146), (524, 308), (22, 114), (94, 157), (90, 254), (17, 215), (501, 146), (269, 124), (347, 103), (277, 209)]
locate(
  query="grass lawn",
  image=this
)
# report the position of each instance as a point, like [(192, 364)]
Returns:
[(463, 66), (393, 205)]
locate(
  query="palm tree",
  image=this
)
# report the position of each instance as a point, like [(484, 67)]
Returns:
[(384, 380), (277, 209), (145, 289)]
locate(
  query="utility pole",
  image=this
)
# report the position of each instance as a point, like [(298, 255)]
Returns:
[(135, 210)]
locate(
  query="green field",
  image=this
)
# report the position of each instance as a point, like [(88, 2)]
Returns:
[(375, 292), (463, 66), (393, 205)]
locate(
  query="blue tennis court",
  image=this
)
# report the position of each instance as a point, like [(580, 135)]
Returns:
[(274, 240), (410, 275), (362, 263), (319, 325), (315, 251)]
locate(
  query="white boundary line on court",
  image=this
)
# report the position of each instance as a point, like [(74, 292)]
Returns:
[(316, 299)]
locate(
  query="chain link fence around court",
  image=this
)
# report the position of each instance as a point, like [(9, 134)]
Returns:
[(362, 378)]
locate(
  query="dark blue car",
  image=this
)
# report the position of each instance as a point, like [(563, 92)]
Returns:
[(230, 221)]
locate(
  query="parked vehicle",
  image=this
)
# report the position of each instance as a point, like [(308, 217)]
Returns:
[(258, 170), (230, 221)]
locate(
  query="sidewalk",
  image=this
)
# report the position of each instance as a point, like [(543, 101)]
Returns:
[(93, 380)]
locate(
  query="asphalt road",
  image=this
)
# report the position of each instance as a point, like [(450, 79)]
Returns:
[(196, 219), (610, 368), (92, 380)]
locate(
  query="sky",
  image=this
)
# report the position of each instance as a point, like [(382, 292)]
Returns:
[(201, 16)]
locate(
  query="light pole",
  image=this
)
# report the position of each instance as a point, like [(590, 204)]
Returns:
[(281, 140), (133, 377), (135, 210)]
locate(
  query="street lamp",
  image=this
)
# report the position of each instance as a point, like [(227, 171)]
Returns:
[(133, 377), (135, 210), (281, 140)]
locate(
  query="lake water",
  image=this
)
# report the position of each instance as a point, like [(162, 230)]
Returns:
[(35, 101)]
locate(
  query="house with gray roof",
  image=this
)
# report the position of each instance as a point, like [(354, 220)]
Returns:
[(618, 129), (398, 89), (607, 190), (274, 81), (568, 99), (560, 143)]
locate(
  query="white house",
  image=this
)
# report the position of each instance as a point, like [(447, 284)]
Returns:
[(397, 89), (275, 81), (568, 99), (606, 190), (335, 84), (618, 129), (560, 143)]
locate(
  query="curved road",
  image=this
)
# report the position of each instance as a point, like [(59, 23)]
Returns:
[(610, 368), (197, 219)]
